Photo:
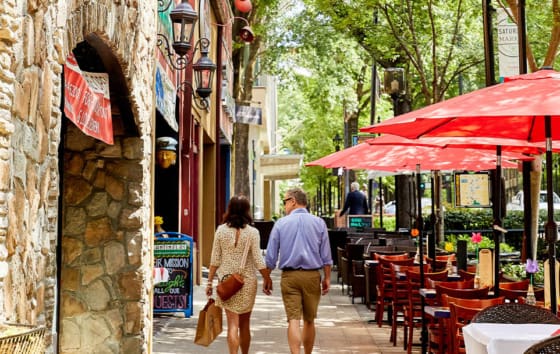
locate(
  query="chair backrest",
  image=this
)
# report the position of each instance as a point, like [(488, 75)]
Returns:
[(460, 317), (472, 303), (354, 251), (390, 257), (414, 275), (399, 286), (514, 295), (515, 285), (440, 263), (466, 275), (479, 293), (548, 346), (358, 267), (340, 252), (463, 284), (516, 313), (345, 269), (384, 274), (445, 257)]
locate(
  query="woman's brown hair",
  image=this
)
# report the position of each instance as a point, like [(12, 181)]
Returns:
[(238, 213)]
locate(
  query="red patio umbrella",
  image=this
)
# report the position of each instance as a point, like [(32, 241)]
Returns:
[(393, 153), (524, 107), (517, 109)]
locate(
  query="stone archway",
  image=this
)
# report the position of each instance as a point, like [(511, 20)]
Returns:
[(102, 293), (105, 210)]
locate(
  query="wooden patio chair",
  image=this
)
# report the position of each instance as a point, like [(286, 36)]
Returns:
[(384, 287), (438, 340), (456, 345), (413, 311)]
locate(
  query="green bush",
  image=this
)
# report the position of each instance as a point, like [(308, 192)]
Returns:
[(517, 271), (389, 222), (471, 247)]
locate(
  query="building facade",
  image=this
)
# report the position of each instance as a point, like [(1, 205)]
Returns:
[(76, 213)]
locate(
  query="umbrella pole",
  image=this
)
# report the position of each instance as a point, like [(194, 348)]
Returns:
[(381, 199), (419, 226), (551, 230), (497, 204)]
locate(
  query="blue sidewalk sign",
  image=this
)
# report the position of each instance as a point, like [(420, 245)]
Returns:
[(173, 273)]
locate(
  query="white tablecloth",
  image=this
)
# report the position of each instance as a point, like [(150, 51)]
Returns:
[(492, 338)]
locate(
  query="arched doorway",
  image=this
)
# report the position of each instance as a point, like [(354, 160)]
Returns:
[(103, 301)]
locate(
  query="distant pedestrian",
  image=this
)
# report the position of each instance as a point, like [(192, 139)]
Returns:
[(230, 240), (299, 245), (356, 201)]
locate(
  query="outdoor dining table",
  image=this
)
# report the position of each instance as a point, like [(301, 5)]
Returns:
[(497, 338)]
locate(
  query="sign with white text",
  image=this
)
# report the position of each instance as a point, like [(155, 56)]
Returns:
[(508, 50), (173, 282), (87, 102)]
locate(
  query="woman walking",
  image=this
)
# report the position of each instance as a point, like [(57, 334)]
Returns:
[(230, 240)]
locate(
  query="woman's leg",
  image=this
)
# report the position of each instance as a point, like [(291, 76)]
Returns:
[(245, 332), (232, 332)]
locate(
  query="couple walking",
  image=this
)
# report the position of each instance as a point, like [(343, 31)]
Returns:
[(298, 245)]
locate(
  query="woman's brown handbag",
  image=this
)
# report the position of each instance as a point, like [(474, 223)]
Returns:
[(209, 324), (232, 283), (229, 286)]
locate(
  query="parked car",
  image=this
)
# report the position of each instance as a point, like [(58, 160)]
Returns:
[(390, 207), (517, 201)]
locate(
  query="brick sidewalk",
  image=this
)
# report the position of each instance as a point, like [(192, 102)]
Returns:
[(342, 327)]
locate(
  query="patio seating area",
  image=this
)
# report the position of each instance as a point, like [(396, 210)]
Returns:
[(387, 280)]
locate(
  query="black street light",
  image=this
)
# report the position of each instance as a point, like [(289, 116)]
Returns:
[(183, 19), (395, 85)]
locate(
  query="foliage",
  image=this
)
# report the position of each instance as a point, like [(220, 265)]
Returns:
[(389, 222), (517, 271), (471, 247)]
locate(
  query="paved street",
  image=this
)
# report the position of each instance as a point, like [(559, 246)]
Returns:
[(342, 327)]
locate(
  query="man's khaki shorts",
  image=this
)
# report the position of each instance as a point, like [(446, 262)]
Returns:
[(301, 293)]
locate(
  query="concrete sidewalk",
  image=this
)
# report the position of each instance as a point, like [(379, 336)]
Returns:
[(342, 327)]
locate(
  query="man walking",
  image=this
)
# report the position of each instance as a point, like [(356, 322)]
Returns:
[(299, 244), (356, 201)]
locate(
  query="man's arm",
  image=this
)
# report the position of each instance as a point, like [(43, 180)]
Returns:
[(326, 283)]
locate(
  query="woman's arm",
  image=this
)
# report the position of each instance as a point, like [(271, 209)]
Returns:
[(211, 274)]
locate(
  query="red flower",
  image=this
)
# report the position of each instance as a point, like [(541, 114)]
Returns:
[(476, 237)]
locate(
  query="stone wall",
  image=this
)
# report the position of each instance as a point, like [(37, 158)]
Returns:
[(106, 238), (103, 294)]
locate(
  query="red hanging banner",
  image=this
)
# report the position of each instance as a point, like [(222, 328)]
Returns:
[(87, 102)]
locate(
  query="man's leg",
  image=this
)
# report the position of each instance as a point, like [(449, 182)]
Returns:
[(294, 336), (308, 336)]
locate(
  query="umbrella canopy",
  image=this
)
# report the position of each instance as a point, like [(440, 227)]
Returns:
[(392, 153), (524, 107), (484, 143), (520, 106), (349, 155)]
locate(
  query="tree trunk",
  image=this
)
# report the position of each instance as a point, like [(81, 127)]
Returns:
[(406, 209), (241, 159)]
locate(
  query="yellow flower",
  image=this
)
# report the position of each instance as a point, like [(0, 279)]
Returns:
[(158, 220), (449, 246)]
